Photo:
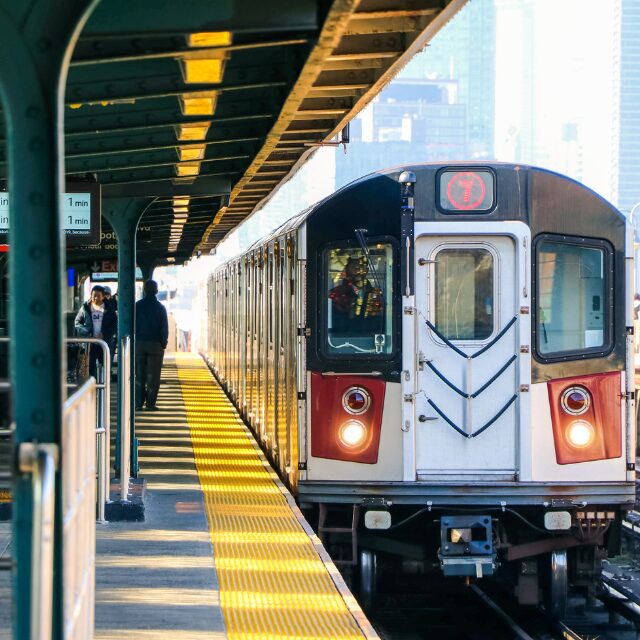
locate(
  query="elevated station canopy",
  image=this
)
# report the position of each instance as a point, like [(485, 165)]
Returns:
[(206, 107)]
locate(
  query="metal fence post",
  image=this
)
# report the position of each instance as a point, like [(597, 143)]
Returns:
[(125, 417)]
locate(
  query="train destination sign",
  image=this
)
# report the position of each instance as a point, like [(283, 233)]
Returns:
[(466, 191), (80, 216)]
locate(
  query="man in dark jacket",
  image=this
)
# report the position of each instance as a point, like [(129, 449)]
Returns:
[(96, 320), (152, 335)]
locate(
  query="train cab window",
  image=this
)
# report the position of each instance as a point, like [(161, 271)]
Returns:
[(358, 298), (464, 303), (572, 303)]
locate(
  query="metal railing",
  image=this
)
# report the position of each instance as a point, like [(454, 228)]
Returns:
[(124, 356), (103, 427), (103, 418), (40, 460), (79, 519)]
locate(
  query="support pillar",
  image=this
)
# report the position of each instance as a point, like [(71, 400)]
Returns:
[(124, 215), (147, 265), (36, 41)]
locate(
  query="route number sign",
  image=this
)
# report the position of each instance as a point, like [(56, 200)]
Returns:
[(465, 191)]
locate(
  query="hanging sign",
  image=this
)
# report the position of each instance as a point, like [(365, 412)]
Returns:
[(80, 214)]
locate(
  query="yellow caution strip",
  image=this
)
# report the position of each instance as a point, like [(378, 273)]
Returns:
[(275, 579)]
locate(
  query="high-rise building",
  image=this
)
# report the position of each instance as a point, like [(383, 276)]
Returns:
[(627, 58)]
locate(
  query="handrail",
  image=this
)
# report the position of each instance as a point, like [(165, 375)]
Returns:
[(125, 416), (79, 520), (40, 460), (103, 427)]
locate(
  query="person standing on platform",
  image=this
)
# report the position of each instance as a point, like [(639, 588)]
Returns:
[(96, 320), (152, 335)]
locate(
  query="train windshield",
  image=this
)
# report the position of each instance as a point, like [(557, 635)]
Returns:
[(572, 303), (464, 293), (359, 291)]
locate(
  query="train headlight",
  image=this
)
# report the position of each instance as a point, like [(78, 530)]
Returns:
[(580, 434), (356, 400), (352, 434), (575, 401)]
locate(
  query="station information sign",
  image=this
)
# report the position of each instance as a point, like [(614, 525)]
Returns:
[(80, 214), (468, 191)]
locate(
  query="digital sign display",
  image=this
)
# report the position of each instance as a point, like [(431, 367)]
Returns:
[(466, 191), (80, 213)]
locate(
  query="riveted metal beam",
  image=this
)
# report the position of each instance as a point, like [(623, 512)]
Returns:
[(150, 53), (145, 17), (35, 46), (151, 92)]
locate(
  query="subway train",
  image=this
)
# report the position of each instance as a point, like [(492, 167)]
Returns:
[(437, 360)]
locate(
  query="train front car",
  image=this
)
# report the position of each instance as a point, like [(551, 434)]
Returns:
[(469, 386)]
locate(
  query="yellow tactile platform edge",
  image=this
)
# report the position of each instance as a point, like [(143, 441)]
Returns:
[(273, 581)]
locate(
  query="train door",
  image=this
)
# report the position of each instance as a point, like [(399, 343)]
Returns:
[(466, 405)]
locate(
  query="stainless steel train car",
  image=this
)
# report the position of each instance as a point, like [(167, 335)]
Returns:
[(442, 356)]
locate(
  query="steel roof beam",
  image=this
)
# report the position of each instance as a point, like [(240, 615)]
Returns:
[(123, 18), (186, 53), (204, 186), (150, 91), (121, 120), (155, 177)]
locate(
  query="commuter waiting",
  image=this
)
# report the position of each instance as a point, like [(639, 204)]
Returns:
[(96, 320), (152, 335)]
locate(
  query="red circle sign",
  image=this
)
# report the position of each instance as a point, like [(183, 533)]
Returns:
[(466, 190)]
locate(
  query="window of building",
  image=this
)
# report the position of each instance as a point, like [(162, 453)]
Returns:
[(572, 314), (464, 297), (358, 299)]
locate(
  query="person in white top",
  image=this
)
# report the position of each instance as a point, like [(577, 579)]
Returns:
[(96, 320)]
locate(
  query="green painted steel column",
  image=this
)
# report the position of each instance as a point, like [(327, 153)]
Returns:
[(123, 215), (36, 40)]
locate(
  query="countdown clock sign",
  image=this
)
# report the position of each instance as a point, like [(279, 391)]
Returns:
[(80, 214), (466, 191)]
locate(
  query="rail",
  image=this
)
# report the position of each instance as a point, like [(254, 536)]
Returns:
[(125, 416), (40, 460), (103, 418), (79, 519)]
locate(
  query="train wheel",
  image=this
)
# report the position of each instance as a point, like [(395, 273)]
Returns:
[(558, 588), (367, 561)]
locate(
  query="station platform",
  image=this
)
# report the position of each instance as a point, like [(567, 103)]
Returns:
[(224, 552)]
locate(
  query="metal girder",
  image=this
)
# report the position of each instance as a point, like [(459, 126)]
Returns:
[(115, 53), (36, 40), (126, 18), (162, 174), (204, 186), (132, 83), (148, 142), (151, 91)]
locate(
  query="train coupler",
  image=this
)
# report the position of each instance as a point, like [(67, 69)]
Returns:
[(466, 546)]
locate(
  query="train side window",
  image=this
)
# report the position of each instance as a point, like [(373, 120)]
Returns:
[(464, 301), (573, 303), (358, 300)]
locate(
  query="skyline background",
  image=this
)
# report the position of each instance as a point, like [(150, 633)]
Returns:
[(553, 83)]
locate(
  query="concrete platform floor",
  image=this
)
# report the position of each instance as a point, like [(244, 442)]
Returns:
[(157, 579)]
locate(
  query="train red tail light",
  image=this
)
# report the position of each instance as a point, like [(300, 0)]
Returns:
[(346, 417), (585, 414), (356, 400)]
